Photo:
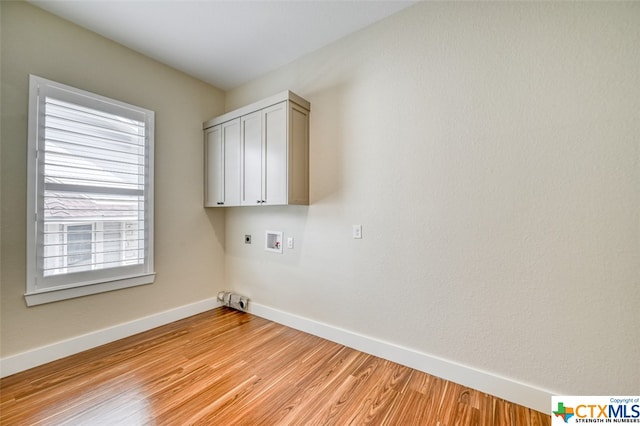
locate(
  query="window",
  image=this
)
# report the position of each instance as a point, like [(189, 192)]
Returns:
[(79, 247), (90, 193)]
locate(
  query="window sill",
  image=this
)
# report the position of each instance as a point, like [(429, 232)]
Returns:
[(57, 294)]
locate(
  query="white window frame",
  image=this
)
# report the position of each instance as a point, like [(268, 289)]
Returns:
[(40, 289)]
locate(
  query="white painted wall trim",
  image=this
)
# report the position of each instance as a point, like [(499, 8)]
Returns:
[(502, 387), (42, 355)]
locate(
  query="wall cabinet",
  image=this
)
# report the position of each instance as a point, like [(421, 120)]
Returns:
[(259, 154)]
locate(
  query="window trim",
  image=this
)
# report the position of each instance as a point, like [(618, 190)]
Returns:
[(104, 281)]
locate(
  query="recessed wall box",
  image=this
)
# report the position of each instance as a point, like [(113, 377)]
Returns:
[(273, 241)]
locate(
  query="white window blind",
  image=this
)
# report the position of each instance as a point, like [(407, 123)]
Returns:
[(91, 177)]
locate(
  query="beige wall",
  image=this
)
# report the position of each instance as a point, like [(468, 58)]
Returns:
[(189, 241), (491, 152)]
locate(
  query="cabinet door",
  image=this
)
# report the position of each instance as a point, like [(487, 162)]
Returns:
[(213, 167), (251, 135), (222, 165), (275, 154), (231, 151)]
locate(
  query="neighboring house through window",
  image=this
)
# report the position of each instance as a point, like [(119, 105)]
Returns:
[(79, 246), (90, 197)]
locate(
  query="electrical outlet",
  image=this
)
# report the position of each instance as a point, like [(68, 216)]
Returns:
[(290, 242), (247, 239), (357, 231)]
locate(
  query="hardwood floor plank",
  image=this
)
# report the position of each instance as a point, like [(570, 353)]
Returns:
[(224, 367), (313, 393)]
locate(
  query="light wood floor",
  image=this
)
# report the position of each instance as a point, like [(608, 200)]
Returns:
[(224, 367)]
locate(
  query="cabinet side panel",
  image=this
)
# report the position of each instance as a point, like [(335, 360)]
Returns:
[(298, 156), (251, 135), (275, 133), (231, 138), (213, 167)]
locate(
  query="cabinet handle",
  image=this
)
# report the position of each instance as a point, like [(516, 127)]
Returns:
[(220, 203), (258, 201)]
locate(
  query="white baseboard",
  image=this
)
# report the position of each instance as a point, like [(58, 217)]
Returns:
[(501, 387), (42, 355), (508, 389)]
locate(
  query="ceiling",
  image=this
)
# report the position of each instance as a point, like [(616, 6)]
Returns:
[(225, 43)]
